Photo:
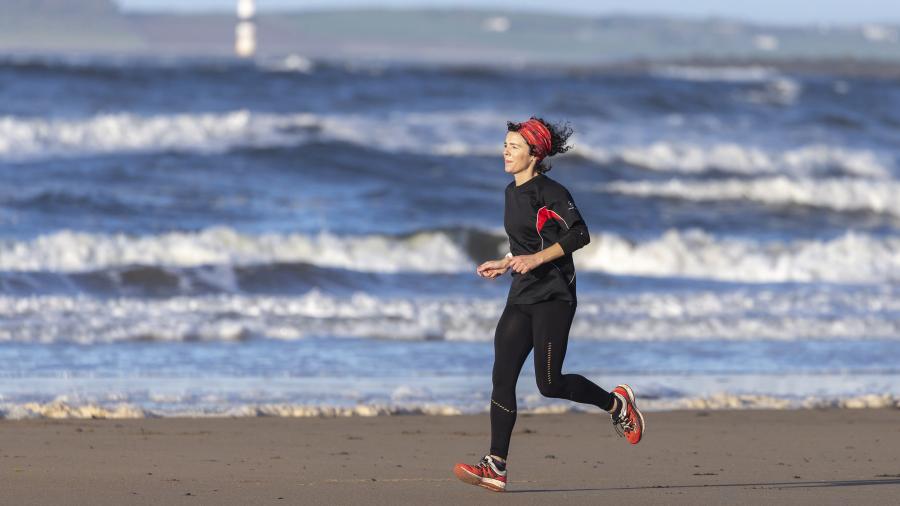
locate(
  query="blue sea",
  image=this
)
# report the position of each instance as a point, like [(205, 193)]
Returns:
[(285, 237)]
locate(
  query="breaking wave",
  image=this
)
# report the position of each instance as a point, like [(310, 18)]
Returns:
[(69, 251), (743, 313), (849, 258), (734, 158), (448, 133), (836, 194)]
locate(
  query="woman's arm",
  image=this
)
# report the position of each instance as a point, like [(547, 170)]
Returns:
[(494, 268), (525, 263), (574, 236)]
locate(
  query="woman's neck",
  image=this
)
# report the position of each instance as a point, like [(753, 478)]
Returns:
[(525, 176)]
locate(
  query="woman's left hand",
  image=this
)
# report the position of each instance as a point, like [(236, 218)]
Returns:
[(524, 263)]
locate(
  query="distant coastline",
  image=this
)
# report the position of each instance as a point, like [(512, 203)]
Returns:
[(439, 36)]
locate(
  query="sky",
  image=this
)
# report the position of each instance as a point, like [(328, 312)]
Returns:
[(794, 12)]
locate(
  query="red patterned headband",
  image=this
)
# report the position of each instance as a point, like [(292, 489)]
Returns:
[(537, 136)]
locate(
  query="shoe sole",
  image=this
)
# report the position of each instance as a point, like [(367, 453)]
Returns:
[(472, 479), (633, 402)]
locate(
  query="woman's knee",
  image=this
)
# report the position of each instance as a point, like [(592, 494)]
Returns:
[(504, 388), (550, 387)]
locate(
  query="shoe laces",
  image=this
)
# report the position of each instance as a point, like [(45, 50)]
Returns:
[(486, 463), (623, 423)]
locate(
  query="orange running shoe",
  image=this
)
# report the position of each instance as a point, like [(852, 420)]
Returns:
[(488, 473), (630, 422)]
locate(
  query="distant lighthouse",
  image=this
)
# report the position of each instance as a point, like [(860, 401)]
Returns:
[(245, 31)]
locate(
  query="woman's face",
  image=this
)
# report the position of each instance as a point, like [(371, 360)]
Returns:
[(516, 157)]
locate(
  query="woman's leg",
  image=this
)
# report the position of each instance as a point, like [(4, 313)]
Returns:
[(551, 321), (512, 344)]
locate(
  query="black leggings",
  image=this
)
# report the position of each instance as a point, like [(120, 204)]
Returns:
[(545, 327)]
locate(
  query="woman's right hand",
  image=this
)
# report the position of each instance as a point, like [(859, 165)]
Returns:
[(493, 268)]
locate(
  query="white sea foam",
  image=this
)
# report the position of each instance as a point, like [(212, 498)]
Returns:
[(24, 138), (445, 133), (838, 194), (719, 401), (69, 251), (780, 91), (772, 87), (746, 160), (293, 63), (450, 133), (61, 409), (750, 401), (453, 133), (734, 74), (744, 313), (850, 258)]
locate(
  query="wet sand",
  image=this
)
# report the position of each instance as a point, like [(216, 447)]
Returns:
[(688, 457)]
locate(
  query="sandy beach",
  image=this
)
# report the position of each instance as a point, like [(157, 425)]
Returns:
[(687, 457)]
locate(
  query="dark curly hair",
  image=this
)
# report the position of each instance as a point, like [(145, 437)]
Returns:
[(559, 136)]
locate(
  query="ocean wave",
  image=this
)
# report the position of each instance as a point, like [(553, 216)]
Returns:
[(292, 63), (773, 87), (731, 74), (444, 133), (61, 409), (158, 281), (70, 251), (782, 91), (747, 401), (150, 67), (740, 314), (272, 278), (735, 158), (448, 133), (849, 258), (836, 194), (29, 138)]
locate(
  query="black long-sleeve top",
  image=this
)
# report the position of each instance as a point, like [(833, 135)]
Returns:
[(538, 214)]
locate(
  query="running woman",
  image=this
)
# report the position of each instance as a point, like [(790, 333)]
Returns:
[(544, 229)]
